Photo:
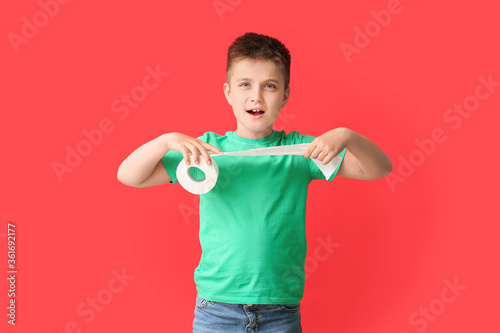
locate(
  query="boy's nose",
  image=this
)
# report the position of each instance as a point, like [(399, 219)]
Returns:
[(257, 95)]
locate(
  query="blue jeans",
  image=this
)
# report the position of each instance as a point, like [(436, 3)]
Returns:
[(216, 317)]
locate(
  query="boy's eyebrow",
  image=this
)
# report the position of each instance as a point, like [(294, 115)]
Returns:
[(267, 80)]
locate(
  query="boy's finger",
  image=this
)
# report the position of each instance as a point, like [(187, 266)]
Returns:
[(328, 158), (322, 155), (196, 155), (309, 150), (203, 152), (315, 153), (212, 148), (194, 152), (185, 154)]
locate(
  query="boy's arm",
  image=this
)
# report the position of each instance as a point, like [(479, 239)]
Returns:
[(144, 168), (363, 159)]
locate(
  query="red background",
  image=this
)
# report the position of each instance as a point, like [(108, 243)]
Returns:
[(396, 245)]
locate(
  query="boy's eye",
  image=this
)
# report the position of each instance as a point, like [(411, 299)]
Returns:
[(244, 84), (270, 85)]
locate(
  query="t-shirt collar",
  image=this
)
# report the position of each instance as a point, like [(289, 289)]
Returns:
[(267, 139)]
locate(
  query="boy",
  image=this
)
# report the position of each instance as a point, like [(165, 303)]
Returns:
[(252, 225)]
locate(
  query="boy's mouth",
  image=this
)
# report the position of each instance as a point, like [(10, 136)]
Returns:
[(255, 113)]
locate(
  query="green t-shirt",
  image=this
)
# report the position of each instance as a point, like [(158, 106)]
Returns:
[(252, 223)]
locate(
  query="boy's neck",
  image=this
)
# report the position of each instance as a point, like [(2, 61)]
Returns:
[(254, 135)]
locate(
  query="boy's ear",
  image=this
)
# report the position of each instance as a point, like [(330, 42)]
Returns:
[(227, 93), (286, 95)]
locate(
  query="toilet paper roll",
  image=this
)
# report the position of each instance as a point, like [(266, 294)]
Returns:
[(197, 186), (203, 186)]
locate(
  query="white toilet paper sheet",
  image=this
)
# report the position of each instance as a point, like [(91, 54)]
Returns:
[(212, 171)]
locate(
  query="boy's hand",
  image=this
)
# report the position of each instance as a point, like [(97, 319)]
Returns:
[(186, 144), (329, 145)]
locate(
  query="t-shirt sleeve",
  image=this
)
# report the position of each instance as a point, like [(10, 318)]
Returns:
[(314, 171), (172, 159)]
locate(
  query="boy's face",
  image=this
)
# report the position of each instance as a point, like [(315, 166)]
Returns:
[(256, 84)]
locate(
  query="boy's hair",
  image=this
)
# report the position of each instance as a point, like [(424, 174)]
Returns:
[(259, 47)]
